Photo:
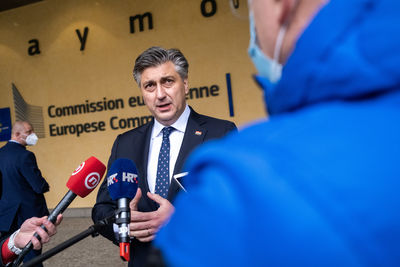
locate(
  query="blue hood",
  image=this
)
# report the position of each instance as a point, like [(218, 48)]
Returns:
[(356, 44)]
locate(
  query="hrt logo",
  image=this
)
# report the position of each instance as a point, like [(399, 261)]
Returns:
[(129, 177), (112, 179), (92, 180)]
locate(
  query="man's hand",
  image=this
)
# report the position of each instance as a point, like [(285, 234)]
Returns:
[(145, 225), (32, 225)]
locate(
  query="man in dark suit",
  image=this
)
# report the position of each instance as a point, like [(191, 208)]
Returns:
[(22, 182), (158, 148)]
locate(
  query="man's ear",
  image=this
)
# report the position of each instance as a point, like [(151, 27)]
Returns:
[(186, 84), (286, 10)]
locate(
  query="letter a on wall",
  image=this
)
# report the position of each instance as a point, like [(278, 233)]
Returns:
[(34, 48)]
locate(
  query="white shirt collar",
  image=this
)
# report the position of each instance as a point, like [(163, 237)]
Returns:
[(179, 125)]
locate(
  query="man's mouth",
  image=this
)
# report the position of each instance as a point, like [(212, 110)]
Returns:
[(163, 107)]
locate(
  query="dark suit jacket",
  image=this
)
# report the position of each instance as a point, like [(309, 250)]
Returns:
[(134, 145), (22, 187)]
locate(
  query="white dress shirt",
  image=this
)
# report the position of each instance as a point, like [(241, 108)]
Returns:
[(175, 138)]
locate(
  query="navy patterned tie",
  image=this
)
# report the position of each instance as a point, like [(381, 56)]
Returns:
[(162, 180)]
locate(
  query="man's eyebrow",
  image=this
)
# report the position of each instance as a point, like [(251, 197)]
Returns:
[(167, 77), (163, 78), (148, 81)]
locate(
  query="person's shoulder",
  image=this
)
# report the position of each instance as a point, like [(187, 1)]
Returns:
[(209, 119), (236, 155), (14, 148), (217, 120), (247, 139), (9, 145)]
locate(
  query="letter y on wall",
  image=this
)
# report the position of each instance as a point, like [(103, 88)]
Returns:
[(83, 38)]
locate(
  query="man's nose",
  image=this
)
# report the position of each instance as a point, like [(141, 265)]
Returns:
[(160, 91)]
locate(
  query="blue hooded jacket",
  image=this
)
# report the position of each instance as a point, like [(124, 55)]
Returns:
[(317, 184)]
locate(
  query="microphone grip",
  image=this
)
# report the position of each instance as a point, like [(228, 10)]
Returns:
[(60, 208), (64, 203), (123, 217)]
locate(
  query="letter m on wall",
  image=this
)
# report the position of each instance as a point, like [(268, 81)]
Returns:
[(141, 19)]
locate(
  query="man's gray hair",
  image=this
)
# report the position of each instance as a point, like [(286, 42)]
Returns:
[(155, 56)]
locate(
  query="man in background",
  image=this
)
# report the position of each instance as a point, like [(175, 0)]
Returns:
[(317, 184), (158, 148), (22, 183)]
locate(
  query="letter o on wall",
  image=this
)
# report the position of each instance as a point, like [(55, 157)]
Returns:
[(203, 8)]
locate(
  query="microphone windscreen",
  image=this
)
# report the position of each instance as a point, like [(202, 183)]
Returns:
[(86, 177), (122, 180)]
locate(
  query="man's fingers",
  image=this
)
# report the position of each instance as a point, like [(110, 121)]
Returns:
[(36, 221), (59, 219), (135, 226), (145, 235), (44, 237), (144, 225), (138, 216), (36, 243), (142, 233), (147, 239), (134, 202), (44, 234), (51, 228), (156, 198)]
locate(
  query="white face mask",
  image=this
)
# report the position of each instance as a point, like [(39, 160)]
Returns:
[(31, 139)]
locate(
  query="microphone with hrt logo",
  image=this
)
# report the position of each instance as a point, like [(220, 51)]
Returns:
[(82, 181), (122, 182)]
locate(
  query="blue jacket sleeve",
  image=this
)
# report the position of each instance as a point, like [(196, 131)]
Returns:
[(32, 174)]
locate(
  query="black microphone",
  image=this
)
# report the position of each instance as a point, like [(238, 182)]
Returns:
[(122, 182), (82, 181)]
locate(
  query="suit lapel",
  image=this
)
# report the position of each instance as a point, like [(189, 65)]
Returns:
[(194, 136)]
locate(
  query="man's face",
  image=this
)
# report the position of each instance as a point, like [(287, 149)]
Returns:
[(164, 92), (267, 23), (27, 130), (271, 15)]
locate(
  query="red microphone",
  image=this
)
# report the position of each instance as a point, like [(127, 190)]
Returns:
[(82, 181), (86, 177)]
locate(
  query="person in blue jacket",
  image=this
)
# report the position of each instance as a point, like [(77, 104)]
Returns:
[(23, 186), (317, 184)]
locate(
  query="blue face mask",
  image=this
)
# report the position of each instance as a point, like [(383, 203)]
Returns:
[(266, 67)]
